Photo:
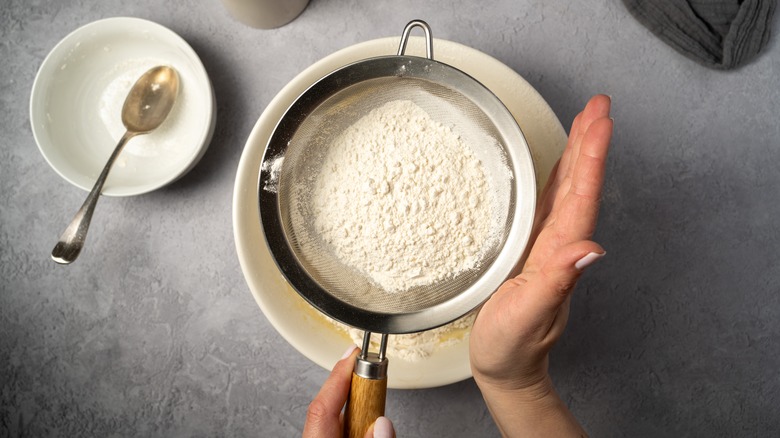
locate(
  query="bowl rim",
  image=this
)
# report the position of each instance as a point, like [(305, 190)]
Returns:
[(112, 24)]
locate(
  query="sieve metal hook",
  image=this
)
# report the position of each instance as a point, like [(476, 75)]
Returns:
[(428, 38)]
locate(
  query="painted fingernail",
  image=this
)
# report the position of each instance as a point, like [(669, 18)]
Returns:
[(383, 428), (589, 259), (348, 352)]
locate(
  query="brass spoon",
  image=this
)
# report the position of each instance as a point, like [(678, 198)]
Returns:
[(145, 108)]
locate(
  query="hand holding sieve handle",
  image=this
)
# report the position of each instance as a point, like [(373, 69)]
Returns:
[(368, 390)]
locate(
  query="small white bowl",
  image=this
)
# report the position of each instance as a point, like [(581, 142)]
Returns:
[(77, 98)]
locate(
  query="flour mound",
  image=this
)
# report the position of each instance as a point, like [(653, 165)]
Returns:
[(403, 199)]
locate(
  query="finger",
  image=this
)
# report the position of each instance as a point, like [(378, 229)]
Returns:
[(546, 290), (382, 428), (323, 415), (544, 204), (566, 157), (574, 214), (578, 210), (589, 170), (597, 108)]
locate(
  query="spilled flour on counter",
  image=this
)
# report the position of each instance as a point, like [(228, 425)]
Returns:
[(403, 199)]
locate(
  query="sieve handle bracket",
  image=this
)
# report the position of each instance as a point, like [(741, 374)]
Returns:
[(428, 38)]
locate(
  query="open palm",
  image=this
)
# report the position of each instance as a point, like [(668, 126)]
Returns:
[(516, 328)]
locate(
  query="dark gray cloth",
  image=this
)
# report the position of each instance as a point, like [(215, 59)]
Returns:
[(721, 34)]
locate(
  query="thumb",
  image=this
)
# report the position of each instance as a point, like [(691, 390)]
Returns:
[(557, 277), (382, 428)]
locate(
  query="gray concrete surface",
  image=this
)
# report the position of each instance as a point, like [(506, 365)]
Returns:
[(153, 332)]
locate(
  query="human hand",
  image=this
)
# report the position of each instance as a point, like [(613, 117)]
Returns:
[(324, 417), (518, 326)]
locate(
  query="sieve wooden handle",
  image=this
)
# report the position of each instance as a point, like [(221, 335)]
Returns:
[(366, 403)]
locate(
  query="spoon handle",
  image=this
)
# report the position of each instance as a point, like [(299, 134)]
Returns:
[(72, 239)]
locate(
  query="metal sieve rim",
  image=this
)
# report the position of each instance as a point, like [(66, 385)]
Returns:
[(524, 187)]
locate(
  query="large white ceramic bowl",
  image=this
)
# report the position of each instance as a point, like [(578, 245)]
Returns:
[(299, 323), (77, 98)]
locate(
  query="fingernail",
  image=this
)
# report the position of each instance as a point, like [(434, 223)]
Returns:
[(589, 259), (383, 428), (348, 352)]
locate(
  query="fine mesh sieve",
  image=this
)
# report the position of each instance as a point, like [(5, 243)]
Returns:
[(293, 162)]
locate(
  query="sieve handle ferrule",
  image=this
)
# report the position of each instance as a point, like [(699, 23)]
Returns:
[(369, 365), (428, 38)]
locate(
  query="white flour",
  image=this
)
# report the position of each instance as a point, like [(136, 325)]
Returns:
[(403, 199)]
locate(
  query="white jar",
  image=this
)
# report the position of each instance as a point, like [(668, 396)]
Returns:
[(265, 14)]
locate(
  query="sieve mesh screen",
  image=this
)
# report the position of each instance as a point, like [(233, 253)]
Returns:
[(305, 153)]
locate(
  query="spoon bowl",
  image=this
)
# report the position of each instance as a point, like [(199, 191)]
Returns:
[(146, 107), (150, 100)]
